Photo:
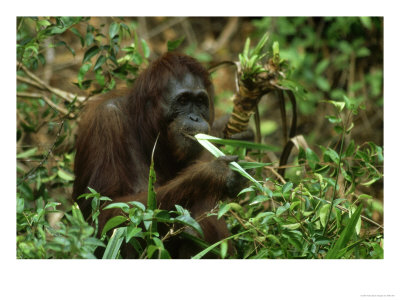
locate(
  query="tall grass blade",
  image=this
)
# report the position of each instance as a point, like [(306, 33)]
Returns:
[(114, 244), (205, 251), (335, 251)]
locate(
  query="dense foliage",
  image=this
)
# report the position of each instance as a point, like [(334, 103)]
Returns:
[(327, 206)]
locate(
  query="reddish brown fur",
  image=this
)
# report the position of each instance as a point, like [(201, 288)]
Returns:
[(116, 136)]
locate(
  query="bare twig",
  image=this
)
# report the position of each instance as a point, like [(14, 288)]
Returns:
[(161, 28), (245, 227), (70, 97), (226, 34), (272, 169), (28, 81), (172, 233), (32, 171), (188, 29), (57, 108)]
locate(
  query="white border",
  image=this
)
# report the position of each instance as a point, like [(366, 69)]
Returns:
[(259, 279)]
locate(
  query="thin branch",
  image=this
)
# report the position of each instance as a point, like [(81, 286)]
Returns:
[(272, 169), (57, 108), (30, 82), (70, 97), (226, 34), (32, 171), (161, 28), (172, 233), (245, 227), (188, 29)]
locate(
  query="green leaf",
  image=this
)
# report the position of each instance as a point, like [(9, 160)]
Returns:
[(94, 242), (275, 48), (294, 205), (323, 83), (113, 30), (237, 143), (287, 187), (186, 219), (42, 23), (132, 232), (246, 49), (100, 61), (373, 180), (338, 129), (321, 66), (246, 190), (28, 153), (363, 52), (338, 201), (223, 209), (358, 225), (100, 78), (236, 207), (66, 46), (121, 205), (332, 154), (180, 209), (366, 21), (282, 209), (151, 192), (172, 45), (138, 204), (345, 236), (323, 214), (146, 49), (273, 239), (90, 53), (363, 197), (148, 220), (65, 175), (252, 165), (350, 149), (350, 128), (258, 199), (312, 158), (293, 226), (150, 250), (20, 205), (114, 244), (137, 58), (89, 38), (113, 222), (105, 198), (261, 44), (338, 104), (224, 249), (77, 214), (82, 72), (333, 119), (295, 87)]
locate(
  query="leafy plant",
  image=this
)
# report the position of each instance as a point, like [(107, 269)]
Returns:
[(323, 208)]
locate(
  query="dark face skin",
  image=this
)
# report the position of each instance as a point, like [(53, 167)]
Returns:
[(187, 111)]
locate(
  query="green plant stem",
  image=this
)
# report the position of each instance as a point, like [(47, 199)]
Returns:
[(257, 124), (336, 183), (281, 98)]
